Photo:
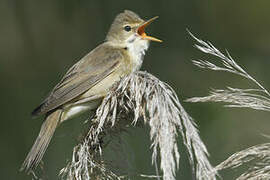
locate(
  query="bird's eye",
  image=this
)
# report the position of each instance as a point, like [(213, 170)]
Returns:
[(127, 28)]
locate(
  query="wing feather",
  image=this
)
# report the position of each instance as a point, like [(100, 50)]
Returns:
[(91, 69)]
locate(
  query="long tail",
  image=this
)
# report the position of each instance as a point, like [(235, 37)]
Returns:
[(38, 149)]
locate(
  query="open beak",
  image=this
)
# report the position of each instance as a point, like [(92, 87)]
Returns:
[(142, 33)]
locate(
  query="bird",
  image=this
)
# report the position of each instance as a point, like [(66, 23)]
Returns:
[(89, 80)]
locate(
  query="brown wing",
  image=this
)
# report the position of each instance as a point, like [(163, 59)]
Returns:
[(91, 69)]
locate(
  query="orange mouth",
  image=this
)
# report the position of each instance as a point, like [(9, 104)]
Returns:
[(141, 30)]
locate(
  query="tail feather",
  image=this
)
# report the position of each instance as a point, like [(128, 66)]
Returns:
[(38, 149)]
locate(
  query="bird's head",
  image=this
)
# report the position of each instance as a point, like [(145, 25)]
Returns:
[(128, 27)]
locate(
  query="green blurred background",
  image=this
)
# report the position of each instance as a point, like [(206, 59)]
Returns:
[(40, 40)]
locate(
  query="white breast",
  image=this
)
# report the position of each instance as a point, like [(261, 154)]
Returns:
[(137, 47)]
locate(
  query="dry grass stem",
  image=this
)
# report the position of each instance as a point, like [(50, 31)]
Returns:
[(243, 98), (256, 157), (258, 99), (141, 98)]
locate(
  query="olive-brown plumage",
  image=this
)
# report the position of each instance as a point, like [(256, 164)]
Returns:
[(89, 80)]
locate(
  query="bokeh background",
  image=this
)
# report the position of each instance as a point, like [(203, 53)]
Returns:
[(40, 40)]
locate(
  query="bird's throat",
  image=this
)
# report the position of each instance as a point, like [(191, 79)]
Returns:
[(136, 48)]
